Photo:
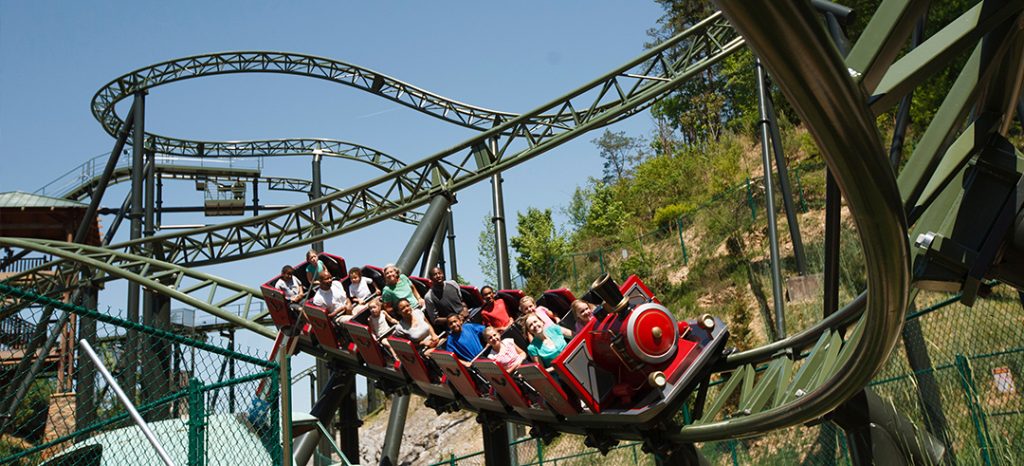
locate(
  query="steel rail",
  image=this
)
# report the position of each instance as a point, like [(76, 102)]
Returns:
[(834, 107), (274, 183), (233, 62), (249, 149), (618, 93)]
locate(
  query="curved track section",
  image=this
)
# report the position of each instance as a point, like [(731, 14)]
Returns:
[(214, 64), (618, 93)]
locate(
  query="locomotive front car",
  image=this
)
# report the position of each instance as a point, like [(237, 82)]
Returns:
[(635, 359)]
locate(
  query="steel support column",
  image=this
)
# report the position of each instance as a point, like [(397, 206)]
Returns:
[(322, 371), (784, 186), (903, 113), (156, 308), (256, 195), (348, 420), (115, 225), (331, 397), (927, 389), (396, 425), (497, 448), (315, 193), (773, 235), (133, 348), (421, 239), (159, 202), (451, 246), (500, 235), (101, 186), (85, 372), (435, 255), (878, 434)]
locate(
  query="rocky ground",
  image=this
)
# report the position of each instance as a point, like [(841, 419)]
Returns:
[(428, 437)]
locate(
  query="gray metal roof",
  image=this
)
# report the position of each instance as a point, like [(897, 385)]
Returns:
[(23, 199)]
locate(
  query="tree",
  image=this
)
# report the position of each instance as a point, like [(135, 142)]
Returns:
[(621, 154), (539, 247), (486, 254)]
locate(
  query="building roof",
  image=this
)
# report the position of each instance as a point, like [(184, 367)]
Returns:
[(16, 199), (26, 215)]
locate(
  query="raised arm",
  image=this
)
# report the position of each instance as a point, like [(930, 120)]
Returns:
[(416, 293)]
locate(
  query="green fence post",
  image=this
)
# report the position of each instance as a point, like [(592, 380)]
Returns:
[(196, 423), (682, 244), (275, 418), (963, 368), (540, 452), (636, 459), (750, 201), (844, 451), (800, 190), (732, 450)]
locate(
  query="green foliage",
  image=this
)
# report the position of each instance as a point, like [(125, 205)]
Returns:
[(579, 205), (620, 153), (667, 215), (639, 263), (606, 214), (538, 246), (30, 417)]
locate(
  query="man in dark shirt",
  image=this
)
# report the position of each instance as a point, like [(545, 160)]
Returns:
[(464, 338), (443, 299)]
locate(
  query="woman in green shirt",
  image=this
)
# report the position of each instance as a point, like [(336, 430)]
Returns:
[(397, 286), (314, 267), (548, 341)]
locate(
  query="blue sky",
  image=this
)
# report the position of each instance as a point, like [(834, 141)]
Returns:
[(509, 56)]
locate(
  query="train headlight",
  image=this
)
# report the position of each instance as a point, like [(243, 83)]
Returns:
[(651, 332)]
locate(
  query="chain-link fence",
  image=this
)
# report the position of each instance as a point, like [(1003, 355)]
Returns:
[(206, 405)]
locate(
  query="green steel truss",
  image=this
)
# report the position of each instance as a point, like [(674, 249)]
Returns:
[(186, 172), (618, 93), (791, 381), (78, 182), (202, 291)]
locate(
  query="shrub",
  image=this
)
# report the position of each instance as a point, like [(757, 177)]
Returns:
[(667, 215)]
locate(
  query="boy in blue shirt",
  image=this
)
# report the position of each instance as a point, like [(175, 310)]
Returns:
[(464, 338)]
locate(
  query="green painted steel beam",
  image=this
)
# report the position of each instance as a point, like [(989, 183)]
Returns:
[(296, 64), (615, 95), (974, 77), (882, 39), (940, 49), (817, 83), (142, 270)]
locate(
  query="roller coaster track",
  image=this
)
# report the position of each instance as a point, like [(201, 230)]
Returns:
[(202, 291), (121, 174), (787, 382), (78, 182)]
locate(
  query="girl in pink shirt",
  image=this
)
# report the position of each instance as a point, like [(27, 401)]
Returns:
[(504, 352), (528, 305)]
